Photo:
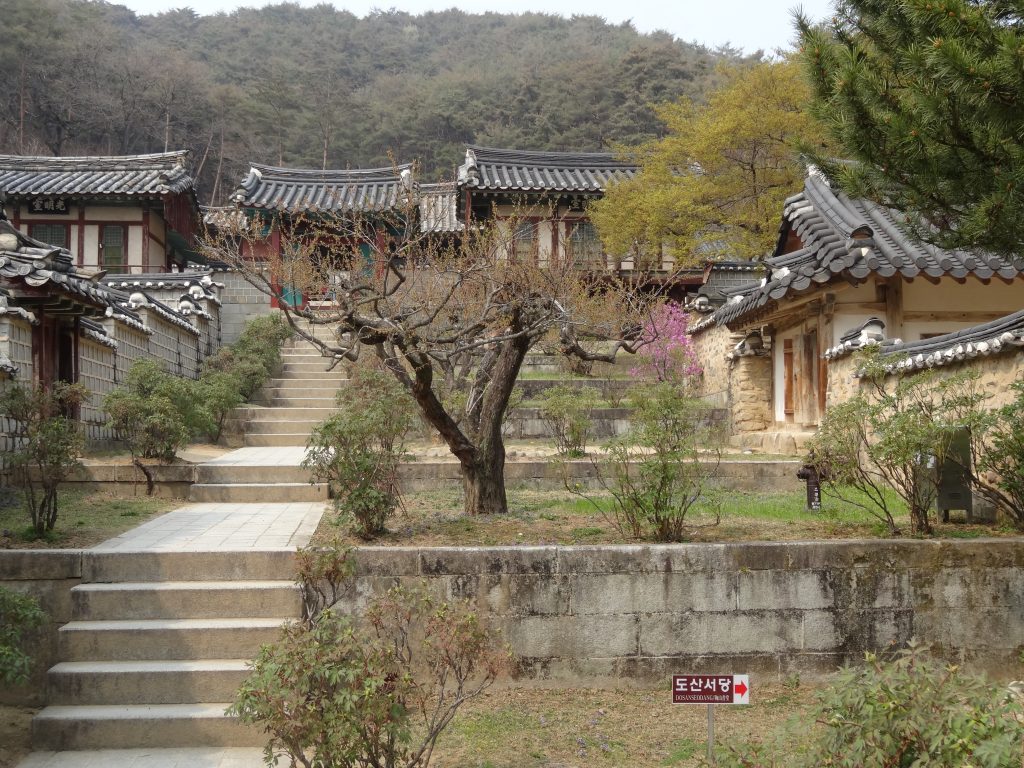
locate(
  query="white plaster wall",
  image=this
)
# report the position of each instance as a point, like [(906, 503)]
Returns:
[(973, 295)]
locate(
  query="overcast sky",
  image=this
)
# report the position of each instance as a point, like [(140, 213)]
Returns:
[(746, 24)]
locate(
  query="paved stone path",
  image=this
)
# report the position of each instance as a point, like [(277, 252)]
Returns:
[(223, 757), (204, 528)]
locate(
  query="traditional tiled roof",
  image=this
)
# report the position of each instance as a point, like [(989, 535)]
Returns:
[(998, 336), (439, 204), (509, 170), (198, 285), (851, 240), (36, 264), (305, 190), (129, 175)]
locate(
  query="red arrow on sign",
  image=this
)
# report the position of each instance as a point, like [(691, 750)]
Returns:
[(740, 688)]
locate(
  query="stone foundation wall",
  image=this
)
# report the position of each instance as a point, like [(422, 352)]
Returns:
[(596, 615), (711, 347), (751, 394)]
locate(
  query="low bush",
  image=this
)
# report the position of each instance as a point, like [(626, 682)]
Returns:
[(911, 711), (667, 354), (19, 615), (661, 469), (47, 442), (567, 411), (378, 690), (358, 449)]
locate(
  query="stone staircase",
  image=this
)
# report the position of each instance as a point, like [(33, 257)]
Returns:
[(292, 405), (297, 401), (157, 646)]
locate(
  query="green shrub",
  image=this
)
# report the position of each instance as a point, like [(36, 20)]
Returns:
[(890, 435), (220, 392), (660, 470), (19, 615), (913, 711), (567, 411), (999, 456), (339, 692), (47, 444), (357, 450)]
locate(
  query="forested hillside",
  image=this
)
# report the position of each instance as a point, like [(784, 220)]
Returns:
[(320, 87)]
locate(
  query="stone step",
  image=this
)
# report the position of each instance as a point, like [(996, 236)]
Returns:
[(248, 565), (165, 639), (290, 387), (145, 682), (311, 371), (216, 474), (267, 426), (325, 403), (255, 493), (135, 726), (291, 413), (185, 599), (274, 441)]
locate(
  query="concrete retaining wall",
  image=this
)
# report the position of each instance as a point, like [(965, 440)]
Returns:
[(609, 615), (47, 575), (595, 615)]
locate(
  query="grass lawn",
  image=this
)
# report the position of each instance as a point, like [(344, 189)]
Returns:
[(435, 518), (529, 728), (83, 519)]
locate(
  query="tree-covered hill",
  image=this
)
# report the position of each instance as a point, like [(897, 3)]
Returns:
[(297, 86)]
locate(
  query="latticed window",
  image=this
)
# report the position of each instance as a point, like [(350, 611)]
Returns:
[(525, 241), (54, 234), (113, 246), (585, 246)]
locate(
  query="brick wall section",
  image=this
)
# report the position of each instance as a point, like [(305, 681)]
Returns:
[(594, 615), (132, 343), (241, 303), (16, 343), (176, 347), (96, 373)]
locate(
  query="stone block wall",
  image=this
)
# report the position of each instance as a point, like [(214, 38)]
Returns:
[(751, 393), (241, 302), (743, 385), (598, 615), (711, 347)]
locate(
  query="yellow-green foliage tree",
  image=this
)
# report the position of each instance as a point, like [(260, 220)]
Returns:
[(713, 186)]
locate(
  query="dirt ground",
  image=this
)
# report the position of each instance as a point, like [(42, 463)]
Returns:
[(14, 734)]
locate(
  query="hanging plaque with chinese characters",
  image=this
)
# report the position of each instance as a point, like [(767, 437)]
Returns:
[(55, 206)]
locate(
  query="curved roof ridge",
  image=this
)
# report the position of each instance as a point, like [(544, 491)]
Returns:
[(391, 172), (549, 157), (113, 162)]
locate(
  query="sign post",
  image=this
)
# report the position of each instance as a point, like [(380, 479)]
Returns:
[(711, 690)]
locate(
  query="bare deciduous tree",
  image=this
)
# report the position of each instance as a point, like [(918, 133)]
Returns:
[(451, 319)]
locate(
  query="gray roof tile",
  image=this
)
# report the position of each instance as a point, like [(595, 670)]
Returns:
[(852, 239), (512, 170), (334, 191), (130, 175)]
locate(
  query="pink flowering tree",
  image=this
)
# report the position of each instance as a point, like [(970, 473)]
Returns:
[(667, 354)]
